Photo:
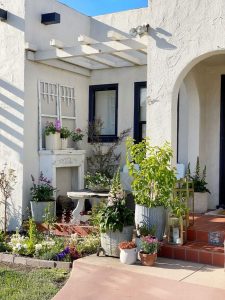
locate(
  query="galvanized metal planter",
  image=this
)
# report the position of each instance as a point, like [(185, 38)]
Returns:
[(110, 240), (154, 216)]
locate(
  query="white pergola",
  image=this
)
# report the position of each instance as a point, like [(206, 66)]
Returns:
[(118, 52)]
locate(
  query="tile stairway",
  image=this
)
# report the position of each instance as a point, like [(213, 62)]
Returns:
[(198, 248)]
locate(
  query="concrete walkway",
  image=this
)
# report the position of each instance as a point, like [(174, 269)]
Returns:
[(105, 278)]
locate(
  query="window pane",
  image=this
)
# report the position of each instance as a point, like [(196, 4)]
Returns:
[(105, 110), (143, 131), (143, 97)]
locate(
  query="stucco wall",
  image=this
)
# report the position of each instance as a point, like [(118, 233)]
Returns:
[(184, 33), (12, 101)]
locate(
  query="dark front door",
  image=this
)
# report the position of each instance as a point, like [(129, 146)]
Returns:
[(222, 143)]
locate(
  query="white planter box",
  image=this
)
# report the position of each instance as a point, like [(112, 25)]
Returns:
[(64, 144), (53, 141), (200, 203), (38, 210), (128, 256)]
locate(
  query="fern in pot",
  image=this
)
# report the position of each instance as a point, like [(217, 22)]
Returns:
[(116, 220), (152, 182)]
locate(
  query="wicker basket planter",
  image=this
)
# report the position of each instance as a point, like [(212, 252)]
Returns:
[(110, 240)]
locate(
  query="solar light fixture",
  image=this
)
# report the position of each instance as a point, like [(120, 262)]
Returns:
[(3, 14), (139, 30), (50, 18)]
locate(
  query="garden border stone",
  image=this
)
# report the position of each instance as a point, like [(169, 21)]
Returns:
[(34, 262)]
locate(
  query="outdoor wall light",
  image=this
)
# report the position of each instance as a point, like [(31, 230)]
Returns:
[(3, 14), (139, 30), (50, 18)]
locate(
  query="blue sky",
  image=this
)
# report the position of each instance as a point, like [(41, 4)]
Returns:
[(98, 7)]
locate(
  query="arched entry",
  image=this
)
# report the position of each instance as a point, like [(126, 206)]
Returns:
[(200, 128)]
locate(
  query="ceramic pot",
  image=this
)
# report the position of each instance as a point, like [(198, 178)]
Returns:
[(128, 256), (154, 216), (148, 259), (53, 141), (64, 144)]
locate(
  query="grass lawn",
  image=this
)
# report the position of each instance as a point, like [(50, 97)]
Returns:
[(26, 283)]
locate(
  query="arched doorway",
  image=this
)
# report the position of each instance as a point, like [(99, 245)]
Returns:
[(201, 121)]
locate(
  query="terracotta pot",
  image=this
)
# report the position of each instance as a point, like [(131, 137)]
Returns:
[(148, 259)]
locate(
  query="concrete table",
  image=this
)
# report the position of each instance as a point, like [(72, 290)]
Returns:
[(81, 196)]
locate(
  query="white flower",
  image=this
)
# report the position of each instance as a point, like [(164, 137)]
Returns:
[(38, 247), (18, 246)]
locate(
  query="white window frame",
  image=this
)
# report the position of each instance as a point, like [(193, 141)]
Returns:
[(63, 93)]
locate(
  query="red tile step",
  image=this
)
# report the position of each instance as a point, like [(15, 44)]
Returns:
[(203, 225), (199, 252), (202, 235)]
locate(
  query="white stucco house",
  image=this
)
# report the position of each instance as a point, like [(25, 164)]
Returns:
[(168, 84)]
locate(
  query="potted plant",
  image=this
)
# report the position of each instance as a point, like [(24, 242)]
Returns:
[(149, 249), (97, 182), (42, 198), (52, 135), (143, 230), (65, 133), (152, 182), (201, 192), (116, 220), (77, 135), (128, 252)]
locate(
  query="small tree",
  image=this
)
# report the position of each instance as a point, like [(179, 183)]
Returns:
[(7, 182), (103, 161), (153, 176)]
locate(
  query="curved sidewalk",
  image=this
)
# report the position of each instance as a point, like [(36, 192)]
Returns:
[(100, 278)]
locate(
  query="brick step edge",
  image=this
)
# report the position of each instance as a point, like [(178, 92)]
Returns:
[(203, 236), (34, 262), (201, 256)]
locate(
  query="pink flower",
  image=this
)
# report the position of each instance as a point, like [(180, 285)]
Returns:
[(78, 130)]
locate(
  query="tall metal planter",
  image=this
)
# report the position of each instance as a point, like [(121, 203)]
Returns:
[(154, 216), (110, 240)]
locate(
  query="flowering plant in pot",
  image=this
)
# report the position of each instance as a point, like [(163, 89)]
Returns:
[(152, 182), (65, 133), (77, 136), (201, 192), (52, 135), (116, 220), (128, 252), (149, 249), (42, 198)]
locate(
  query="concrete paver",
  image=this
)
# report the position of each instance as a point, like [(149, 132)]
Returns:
[(105, 278)]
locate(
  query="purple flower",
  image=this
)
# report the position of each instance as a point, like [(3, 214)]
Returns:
[(58, 125)]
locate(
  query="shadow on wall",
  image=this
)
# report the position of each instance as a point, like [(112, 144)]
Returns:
[(99, 31), (14, 217), (11, 117), (16, 21), (159, 34)]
